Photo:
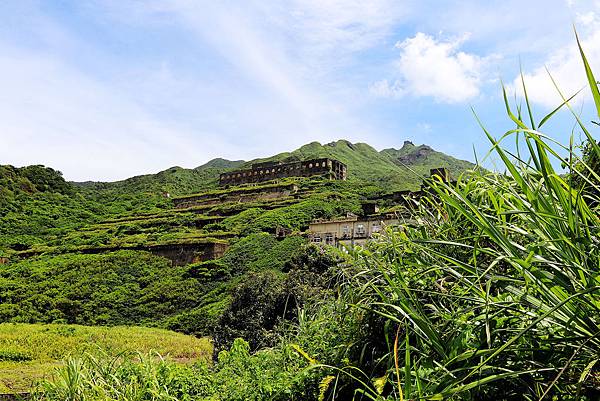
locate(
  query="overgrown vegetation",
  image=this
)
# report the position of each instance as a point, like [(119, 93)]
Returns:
[(29, 353), (493, 295)]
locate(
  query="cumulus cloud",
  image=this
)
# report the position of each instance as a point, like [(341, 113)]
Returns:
[(434, 68), (565, 67)]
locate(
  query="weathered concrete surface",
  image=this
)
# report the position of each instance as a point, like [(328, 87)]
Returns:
[(237, 196), (261, 172), (178, 254)]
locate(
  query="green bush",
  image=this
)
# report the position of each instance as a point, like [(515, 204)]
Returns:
[(124, 287), (271, 375)]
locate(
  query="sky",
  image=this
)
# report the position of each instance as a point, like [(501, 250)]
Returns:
[(105, 90)]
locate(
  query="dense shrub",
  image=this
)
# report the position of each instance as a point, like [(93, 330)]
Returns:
[(125, 287), (237, 375), (264, 300), (261, 251), (494, 295)]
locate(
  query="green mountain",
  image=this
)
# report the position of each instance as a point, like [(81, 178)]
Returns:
[(147, 192), (36, 201), (390, 169)]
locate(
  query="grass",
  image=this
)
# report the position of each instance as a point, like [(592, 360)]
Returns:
[(496, 295), (30, 352)]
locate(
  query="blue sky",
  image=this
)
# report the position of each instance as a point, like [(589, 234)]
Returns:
[(105, 90)]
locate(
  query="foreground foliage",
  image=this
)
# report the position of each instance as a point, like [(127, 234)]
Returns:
[(496, 293)]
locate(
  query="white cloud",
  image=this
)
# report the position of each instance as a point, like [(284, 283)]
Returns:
[(563, 61), (434, 68), (566, 67), (385, 88), (265, 92), (334, 27), (53, 114), (290, 53)]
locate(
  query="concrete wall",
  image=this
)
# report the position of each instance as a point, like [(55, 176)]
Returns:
[(261, 172), (351, 229), (184, 254), (236, 196), (178, 254)]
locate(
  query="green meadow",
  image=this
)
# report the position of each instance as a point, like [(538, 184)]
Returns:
[(32, 352)]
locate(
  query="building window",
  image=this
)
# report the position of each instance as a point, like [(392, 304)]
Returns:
[(316, 238), (346, 231), (360, 230), (310, 165), (324, 164), (329, 238)]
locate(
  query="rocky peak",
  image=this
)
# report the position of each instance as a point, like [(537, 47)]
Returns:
[(407, 144), (415, 155)]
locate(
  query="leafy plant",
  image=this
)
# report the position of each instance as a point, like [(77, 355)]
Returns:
[(495, 294)]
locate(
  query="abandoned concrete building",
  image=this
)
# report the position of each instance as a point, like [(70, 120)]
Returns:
[(260, 172), (351, 230), (356, 230)]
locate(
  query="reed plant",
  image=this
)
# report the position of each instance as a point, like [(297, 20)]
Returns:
[(495, 293)]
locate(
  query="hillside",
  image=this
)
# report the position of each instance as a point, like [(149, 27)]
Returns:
[(36, 202), (392, 169), (120, 253), (147, 192)]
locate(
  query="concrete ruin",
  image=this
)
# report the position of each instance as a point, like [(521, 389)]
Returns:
[(260, 172), (180, 254), (238, 196), (357, 230), (350, 230)]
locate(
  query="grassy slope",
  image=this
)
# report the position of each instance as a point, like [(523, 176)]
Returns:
[(175, 180), (37, 206), (29, 352), (58, 222), (36, 202)]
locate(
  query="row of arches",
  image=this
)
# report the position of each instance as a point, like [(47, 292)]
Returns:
[(270, 171)]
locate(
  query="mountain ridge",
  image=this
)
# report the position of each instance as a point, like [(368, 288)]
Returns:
[(392, 168)]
